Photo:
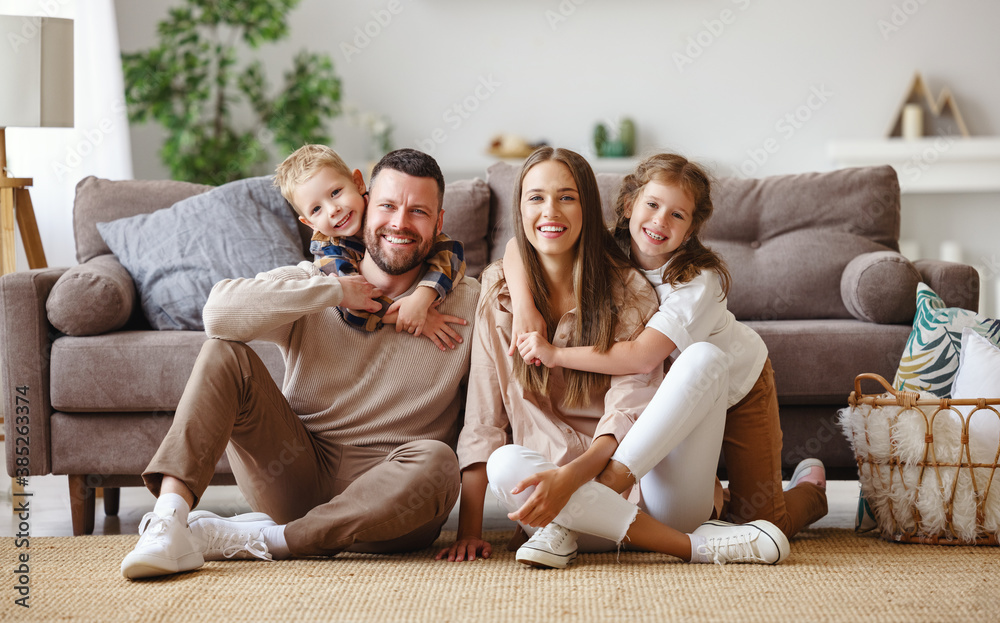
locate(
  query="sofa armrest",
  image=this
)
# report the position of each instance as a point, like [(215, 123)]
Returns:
[(957, 284), (25, 348)]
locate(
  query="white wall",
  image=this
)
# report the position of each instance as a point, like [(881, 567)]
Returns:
[(555, 67)]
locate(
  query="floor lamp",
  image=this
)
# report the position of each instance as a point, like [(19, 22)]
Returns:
[(36, 69)]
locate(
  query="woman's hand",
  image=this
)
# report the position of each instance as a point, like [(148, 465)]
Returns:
[(535, 349), (526, 320), (466, 549), (553, 488)]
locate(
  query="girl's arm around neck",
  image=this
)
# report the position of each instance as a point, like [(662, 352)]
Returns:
[(526, 316), (639, 356)]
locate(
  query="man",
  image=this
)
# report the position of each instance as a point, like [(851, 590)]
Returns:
[(354, 452)]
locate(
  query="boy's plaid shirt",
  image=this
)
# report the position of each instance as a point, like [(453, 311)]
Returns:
[(342, 256)]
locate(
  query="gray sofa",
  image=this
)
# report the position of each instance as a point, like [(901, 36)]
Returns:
[(813, 256)]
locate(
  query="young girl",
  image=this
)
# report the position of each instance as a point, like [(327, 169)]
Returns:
[(567, 424), (661, 208)]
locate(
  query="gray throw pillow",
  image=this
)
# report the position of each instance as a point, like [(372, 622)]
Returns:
[(176, 255)]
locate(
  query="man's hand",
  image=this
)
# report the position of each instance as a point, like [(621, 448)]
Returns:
[(466, 549), (553, 488), (526, 320), (535, 349), (359, 294)]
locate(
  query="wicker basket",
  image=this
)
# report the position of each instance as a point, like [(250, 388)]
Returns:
[(921, 491)]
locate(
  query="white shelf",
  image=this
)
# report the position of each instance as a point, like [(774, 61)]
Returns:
[(943, 164), (476, 166)]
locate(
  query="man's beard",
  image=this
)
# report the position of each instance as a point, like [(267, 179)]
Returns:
[(400, 262)]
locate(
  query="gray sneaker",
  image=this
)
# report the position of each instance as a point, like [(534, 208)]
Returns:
[(165, 546), (551, 547), (227, 538)]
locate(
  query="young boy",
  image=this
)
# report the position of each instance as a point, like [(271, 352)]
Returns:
[(331, 200)]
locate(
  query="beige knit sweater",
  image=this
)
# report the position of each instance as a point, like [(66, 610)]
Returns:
[(378, 389)]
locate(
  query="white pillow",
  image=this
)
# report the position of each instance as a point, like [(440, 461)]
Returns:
[(978, 368), (979, 377)]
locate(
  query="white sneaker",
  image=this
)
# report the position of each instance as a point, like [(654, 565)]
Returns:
[(165, 546), (805, 468), (757, 542), (226, 538), (551, 547)]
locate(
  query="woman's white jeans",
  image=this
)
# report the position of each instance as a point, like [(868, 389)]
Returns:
[(672, 450)]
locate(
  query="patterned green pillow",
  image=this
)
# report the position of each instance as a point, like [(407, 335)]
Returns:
[(930, 358)]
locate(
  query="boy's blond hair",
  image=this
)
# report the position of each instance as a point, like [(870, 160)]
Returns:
[(303, 164)]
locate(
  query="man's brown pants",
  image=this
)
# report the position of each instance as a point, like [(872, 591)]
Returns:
[(331, 496)]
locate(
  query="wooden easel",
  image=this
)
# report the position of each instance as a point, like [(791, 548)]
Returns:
[(15, 204)]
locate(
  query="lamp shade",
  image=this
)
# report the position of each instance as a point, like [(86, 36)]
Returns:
[(36, 70)]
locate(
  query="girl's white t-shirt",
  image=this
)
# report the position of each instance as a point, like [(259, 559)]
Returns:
[(696, 312)]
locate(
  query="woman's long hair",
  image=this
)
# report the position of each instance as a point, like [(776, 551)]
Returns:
[(598, 277), (692, 257)]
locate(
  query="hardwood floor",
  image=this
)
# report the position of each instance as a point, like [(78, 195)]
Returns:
[(49, 513)]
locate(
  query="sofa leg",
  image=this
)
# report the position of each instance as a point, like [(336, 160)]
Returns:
[(81, 505), (112, 496)]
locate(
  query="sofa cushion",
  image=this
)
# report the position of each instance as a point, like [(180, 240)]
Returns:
[(880, 287), (466, 219), (90, 298), (176, 255), (99, 201), (816, 361), (132, 370), (788, 238), (106, 444)]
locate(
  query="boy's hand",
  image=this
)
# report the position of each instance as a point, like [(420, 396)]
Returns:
[(465, 548), (535, 349), (436, 329), (525, 320), (412, 310), (359, 294)]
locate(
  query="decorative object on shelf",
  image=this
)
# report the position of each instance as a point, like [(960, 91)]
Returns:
[(38, 93), (189, 83), (378, 132), (921, 115), (512, 146), (622, 145)]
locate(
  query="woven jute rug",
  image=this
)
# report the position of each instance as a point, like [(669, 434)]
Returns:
[(832, 575)]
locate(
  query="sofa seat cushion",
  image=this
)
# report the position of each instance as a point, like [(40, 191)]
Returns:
[(120, 443), (816, 361), (132, 370)]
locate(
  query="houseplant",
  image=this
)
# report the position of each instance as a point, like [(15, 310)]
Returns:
[(191, 85)]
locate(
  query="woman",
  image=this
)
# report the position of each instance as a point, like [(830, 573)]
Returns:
[(567, 425)]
